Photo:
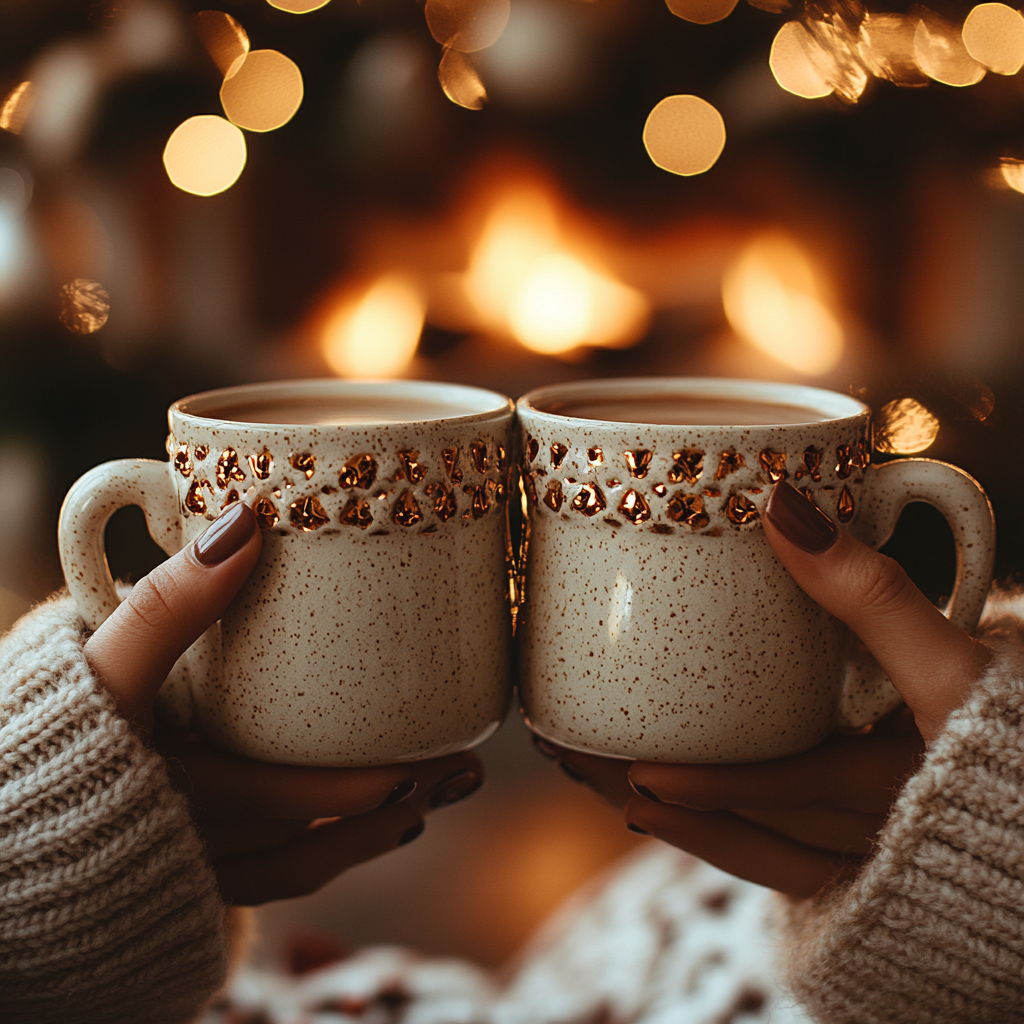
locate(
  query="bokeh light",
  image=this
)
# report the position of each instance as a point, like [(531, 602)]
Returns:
[(904, 427), (798, 63), (684, 135), (15, 108), (994, 36), (460, 81), (205, 155), (467, 25), (774, 298), (298, 6), (264, 92), (375, 333), (886, 47), (1012, 173), (701, 12), (940, 53), (84, 306), (224, 39)]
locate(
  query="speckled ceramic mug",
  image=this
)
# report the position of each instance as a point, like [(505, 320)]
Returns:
[(375, 627), (656, 622)]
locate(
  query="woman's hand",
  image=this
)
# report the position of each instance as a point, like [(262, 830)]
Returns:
[(272, 831), (796, 824)]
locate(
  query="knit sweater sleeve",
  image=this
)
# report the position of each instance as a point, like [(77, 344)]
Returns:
[(109, 910), (932, 931)]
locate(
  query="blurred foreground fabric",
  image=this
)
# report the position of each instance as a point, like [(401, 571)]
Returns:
[(661, 939)]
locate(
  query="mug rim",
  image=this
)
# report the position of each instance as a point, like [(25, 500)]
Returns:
[(490, 405), (834, 406)]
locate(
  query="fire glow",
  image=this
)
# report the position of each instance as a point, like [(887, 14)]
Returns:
[(775, 299)]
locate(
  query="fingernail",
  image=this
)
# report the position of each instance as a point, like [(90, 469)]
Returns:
[(637, 829), (411, 833), (571, 772), (643, 791), (225, 535), (544, 747), (799, 520), (455, 788), (404, 789)]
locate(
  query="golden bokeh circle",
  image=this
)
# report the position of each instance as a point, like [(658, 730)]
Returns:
[(994, 36), (205, 155), (298, 6), (224, 38), (701, 12), (467, 25), (905, 427), (1012, 172), (264, 92), (940, 53), (684, 134), (460, 81), (84, 306), (793, 65)]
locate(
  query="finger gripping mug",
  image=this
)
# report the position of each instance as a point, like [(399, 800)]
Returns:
[(375, 627), (656, 622)]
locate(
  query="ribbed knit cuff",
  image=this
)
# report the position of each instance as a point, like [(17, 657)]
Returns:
[(932, 931), (109, 910)]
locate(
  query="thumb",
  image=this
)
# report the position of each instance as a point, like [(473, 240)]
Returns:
[(931, 662), (133, 651)]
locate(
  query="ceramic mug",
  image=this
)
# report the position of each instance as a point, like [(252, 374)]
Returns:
[(656, 622), (375, 627)]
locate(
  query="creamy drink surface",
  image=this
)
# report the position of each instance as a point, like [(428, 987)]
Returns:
[(337, 411), (687, 410)]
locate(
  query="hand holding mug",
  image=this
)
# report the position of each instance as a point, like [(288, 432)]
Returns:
[(273, 831), (797, 823)]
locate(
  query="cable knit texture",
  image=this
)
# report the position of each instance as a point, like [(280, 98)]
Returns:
[(109, 910), (933, 929)]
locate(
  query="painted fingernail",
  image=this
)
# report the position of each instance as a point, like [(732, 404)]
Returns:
[(547, 749), (637, 829), (643, 791), (455, 788), (402, 791), (225, 535), (411, 833), (799, 520), (571, 772)]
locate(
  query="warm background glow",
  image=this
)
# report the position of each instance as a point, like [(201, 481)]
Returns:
[(467, 25), (375, 333), (205, 155), (774, 298)]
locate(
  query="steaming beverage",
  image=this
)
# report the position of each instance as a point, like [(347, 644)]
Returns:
[(691, 410)]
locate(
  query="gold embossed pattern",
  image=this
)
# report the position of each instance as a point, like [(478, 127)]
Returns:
[(735, 487), (432, 495)]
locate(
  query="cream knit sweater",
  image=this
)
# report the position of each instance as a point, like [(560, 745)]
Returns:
[(109, 913)]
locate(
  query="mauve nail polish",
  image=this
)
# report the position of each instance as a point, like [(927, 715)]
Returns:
[(226, 535), (799, 520)]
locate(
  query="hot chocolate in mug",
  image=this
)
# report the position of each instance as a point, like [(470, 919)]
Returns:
[(375, 627), (656, 622)]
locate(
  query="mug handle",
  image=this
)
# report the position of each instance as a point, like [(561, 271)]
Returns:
[(888, 489), (87, 509)]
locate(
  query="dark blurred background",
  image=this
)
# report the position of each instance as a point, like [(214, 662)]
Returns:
[(871, 247)]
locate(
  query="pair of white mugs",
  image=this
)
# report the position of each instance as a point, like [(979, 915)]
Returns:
[(654, 621)]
